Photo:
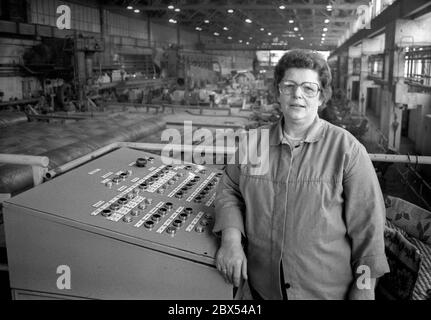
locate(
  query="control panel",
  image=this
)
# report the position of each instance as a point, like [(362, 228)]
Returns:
[(127, 197)]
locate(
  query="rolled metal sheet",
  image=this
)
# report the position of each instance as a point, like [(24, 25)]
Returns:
[(8, 118), (18, 178)]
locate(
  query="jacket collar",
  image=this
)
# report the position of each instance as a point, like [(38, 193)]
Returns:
[(315, 132)]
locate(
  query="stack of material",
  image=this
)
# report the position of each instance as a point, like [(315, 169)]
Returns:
[(64, 143)]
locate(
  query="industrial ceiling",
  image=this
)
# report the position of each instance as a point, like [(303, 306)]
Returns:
[(317, 24)]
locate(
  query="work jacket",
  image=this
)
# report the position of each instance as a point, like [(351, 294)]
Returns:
[(317, 208)]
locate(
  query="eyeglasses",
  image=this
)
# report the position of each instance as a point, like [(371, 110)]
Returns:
[(310, 89)]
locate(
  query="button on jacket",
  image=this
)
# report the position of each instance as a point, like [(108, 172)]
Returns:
[(318, 209)]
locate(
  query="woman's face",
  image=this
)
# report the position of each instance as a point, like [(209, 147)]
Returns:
[(300, 103)]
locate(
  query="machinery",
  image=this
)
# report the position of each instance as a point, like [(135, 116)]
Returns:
[(126, 225)]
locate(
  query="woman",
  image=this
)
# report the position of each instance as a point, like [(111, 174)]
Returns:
[(313, 222)]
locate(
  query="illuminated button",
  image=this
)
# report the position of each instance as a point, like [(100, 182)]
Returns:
[(141, 162), (148, 200), (122, 201), (183, 216), (189, 210), (135, 212), (204, 222), (177, 223), (108, 184), (171, 230), (114, 206), (149, 224), (106, 213), (156, 217), (200, 229), (162, 211), (128, 219), (168, 205), (142, 206)]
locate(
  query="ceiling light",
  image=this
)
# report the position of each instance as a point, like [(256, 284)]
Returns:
[(327, 20), (230, 10), (198, 28), (206, 21), (269, 33), (325, 29), (171, 7), (323, 34), (247, 43), (302, 38), (129, 7), (230, 38), (225, 28), (177, 10), (172, 21), (248, 20), (216, 34), (240, 41), (296, 29), (291, 21), (136, 11), (282, 7), (329, 7), (262, 29)]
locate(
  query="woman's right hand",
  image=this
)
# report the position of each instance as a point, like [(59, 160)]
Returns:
[(230, 259)]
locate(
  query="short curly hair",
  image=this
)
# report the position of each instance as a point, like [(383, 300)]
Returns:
[(308, 59)]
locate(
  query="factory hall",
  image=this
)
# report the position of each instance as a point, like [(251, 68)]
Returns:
[(226, 150)]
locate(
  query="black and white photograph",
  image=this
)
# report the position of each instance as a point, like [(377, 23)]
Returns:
[(212, 156)]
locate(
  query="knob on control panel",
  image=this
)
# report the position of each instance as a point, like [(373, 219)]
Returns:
[(171, 230), (141, 162)]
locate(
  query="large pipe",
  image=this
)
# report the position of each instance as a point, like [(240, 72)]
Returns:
[(24, 159)]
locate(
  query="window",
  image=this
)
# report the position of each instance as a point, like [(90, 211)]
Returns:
[(417, 66), (376, 65)]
